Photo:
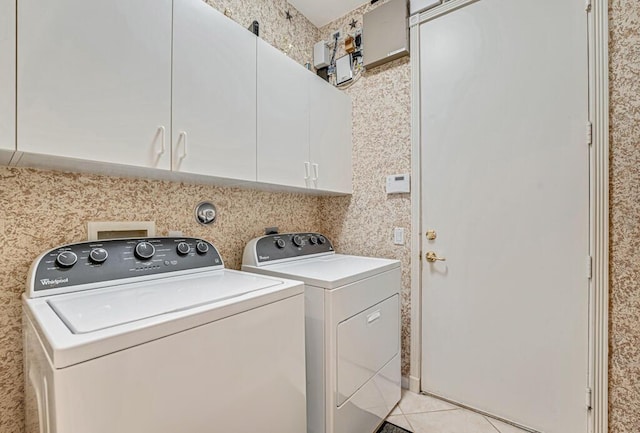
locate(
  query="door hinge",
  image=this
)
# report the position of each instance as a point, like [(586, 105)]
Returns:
[(589, 267), (589, 399), (589, 133), (587, 5)]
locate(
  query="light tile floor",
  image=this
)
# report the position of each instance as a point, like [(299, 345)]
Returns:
[(423, 414)]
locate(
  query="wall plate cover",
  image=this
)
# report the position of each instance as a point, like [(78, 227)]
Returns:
[(398, 236), (97, 230)]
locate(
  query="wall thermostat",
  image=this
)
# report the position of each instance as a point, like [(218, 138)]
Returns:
[(399, 183)]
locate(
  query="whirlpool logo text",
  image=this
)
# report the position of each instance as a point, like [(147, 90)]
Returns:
[(50, 282)]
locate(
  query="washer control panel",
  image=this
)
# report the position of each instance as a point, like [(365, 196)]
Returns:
[(288, 245), (115, 259)]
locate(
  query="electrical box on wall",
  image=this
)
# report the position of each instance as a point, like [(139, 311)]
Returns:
[(321, 55), (385, 34)]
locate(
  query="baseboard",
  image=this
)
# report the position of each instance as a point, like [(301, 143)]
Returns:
[(404, 382), (414, 384)]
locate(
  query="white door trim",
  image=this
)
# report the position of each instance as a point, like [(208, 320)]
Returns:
[(598, 26), (599, 190)]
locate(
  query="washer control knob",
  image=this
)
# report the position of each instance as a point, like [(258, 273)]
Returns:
[(98, 255), (66, 259), (202, 247), (297, 241), (280, 243), (321, 240), (183, 248), (144, 250), (313, 239)]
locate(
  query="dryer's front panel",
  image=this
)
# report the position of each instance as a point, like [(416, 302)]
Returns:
[(362, 341), (366, 342)]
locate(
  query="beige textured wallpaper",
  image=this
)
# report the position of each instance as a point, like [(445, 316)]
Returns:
[(295, 37), (363, 223), (624, 341)]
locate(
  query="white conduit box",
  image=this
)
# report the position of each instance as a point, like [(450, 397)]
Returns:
[(385, 33), (321, 55)]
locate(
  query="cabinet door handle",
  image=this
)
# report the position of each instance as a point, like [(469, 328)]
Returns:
[(316, 174), (307, 174), (183, 134), (162, 132), (373, 317)]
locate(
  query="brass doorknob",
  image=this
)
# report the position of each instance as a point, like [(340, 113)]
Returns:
[(433, 257)]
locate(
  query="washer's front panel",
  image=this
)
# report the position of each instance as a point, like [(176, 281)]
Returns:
[(244, 373)]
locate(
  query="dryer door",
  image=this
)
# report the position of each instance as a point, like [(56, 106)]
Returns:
[(366, 343)]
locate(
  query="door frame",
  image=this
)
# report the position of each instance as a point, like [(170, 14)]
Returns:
[(598, 64)]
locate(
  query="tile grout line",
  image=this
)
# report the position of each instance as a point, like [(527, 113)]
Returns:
[(413, 429), (492, 424), (433, 411)]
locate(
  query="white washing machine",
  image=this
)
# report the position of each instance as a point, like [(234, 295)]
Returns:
[(154, 335), (352, 327)]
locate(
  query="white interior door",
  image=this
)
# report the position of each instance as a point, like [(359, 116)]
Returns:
[(7, 79), (505, 185)]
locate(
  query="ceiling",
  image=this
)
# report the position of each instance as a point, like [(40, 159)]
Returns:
[(322, 12)]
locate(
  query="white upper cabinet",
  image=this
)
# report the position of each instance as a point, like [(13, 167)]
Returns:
[(164, 84), (7, 79), (283, 119), (95, 80), (214, 93), (330, 137), (304, 126)]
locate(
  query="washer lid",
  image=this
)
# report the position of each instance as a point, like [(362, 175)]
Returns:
[(77, 327), (330, 271), (96, 310)]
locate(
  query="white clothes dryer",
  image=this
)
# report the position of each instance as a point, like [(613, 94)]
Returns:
[(154, 335), (352, 326)]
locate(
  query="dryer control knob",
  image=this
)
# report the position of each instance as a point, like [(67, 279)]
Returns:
[(297, 241), (313, 239), (98, 255), (280, 243), (202, 247), (144, 250), (183, 248), (66, 259), (321, 239)]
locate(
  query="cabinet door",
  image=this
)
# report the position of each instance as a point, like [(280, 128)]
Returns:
[(214, 93), (283, 118), (7, 79), (330, 137), (95, 80)]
